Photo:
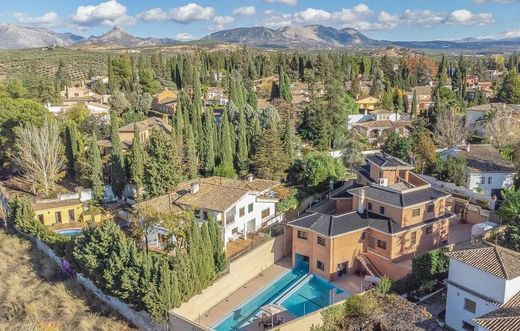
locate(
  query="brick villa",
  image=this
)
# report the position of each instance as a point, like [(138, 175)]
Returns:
[(374, 226)]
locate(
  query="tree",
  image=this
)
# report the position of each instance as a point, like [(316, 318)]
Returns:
[(270, 160), (163, 167), (142, 222), (190, 164), (117, 162), (452, 170), (424, 152), (509, 91), (242, 157), (118, 102), (284, 85), (71, 146), (137, 163), (501, 129), (95, 170), (510, 206), (355, 144), (415, 103), (144, 103), (289, 138), (208, 145), (225, 168), (397, 146), (40, 156), (360, 309), (449, 129), (318, 169), (148, 81)]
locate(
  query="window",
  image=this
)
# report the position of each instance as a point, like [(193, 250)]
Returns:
[(414, 237), (490, 180), (363, 235), (429, 229), (320, 265), (467, 327), (234, 231), (382, 210), (40, 218), (482, 180), (430, 208), (57, 217), (205, 215), (470, 305), (302, 235), (161, 238), (381, 244), (241, 212), (321, 241), (71, 215), (265, 213), (416, 212), (250, 208), (369, 206)]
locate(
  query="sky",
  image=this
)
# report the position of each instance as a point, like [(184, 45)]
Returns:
[(185, 20)]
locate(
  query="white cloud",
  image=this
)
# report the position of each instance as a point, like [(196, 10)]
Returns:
[(48, 19), (188, 13), (219, 22), (512, 33), (245, 11), (361, 17), (465, 17), (184, 36), (285, 2), (106, 13)]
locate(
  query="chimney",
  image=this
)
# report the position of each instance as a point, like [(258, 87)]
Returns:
[(194, 187), (468, 148), (249, 178), (361, 201)]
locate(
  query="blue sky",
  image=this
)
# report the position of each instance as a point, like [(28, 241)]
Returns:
[(380, 19)]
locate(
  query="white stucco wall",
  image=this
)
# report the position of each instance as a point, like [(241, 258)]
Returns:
[(499, 180)]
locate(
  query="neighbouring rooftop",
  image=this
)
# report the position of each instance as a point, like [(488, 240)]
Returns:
[(482, 158), (398, 197), (384, 160)]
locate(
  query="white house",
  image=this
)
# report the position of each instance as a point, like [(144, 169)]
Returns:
[(488, 172), (483, 288), (241, 207)]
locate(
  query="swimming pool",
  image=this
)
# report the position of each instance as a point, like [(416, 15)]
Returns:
[(297, 291), (69, 232)]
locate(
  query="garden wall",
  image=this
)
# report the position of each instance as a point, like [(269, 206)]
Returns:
[(141, 319), (241, 271)]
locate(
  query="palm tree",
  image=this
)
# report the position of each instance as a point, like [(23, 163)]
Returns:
[(486, 118)]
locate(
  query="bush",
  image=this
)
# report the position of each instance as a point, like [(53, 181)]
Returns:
[(432, 265), (384, 285)]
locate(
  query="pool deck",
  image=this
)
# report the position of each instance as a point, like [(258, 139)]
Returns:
[(224, 307), (350, 283)]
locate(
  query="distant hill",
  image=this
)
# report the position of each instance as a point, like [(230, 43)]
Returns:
[(119, 37), (18, 37), (311, 36)]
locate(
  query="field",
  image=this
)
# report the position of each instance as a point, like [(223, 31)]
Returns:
[(33, 295), (45, 63)]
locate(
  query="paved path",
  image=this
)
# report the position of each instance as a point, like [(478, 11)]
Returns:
[(249, 289)]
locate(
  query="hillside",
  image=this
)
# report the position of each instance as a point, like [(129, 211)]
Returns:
[(121, 38), (18, 37)]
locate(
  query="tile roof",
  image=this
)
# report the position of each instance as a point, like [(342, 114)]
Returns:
[(215, 193), (55, 204), (484, 158), (496, 260), (400, 198), (147, 124), (386, 160), (495, 106), (506, 318), (384, 124)]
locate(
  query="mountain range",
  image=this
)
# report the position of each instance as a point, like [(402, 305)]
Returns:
[(288, 37)]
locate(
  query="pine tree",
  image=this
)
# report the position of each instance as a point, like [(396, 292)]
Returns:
[(271, 161), (95, 170), (284, 85), (137, 163), (225, 167), (117, 163), (242, 157), (208, 149), (71, 146)]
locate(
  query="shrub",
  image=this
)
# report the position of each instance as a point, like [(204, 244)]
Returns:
[(384, 285)]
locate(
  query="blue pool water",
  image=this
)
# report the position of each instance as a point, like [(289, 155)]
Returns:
[(297, 291), (69, 232)]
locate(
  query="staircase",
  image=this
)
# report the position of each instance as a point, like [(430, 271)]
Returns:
[(369, 267)]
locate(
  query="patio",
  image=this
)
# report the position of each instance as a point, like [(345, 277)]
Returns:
[(71, 225), (459, 232), (237, 247)]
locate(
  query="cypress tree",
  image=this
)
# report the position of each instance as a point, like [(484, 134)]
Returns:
[(197, 108), (185, 277), (414, 104), (137, 163), (207, 251), (219, 254), (288, 138), (242, 157), (284, 85), (196, 257), (225, 168), (190, 155), (117, 163), (71, 146), (111, 77), (95, 170), (208, 149), (271, 161), (255, 134)]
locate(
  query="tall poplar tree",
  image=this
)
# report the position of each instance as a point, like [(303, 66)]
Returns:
[(225, 167), (71, 146), (208, 146), (242, 157)]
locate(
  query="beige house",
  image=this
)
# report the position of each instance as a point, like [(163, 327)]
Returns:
[(368, 103), (374, 226), (424, 98), (165, 102)]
